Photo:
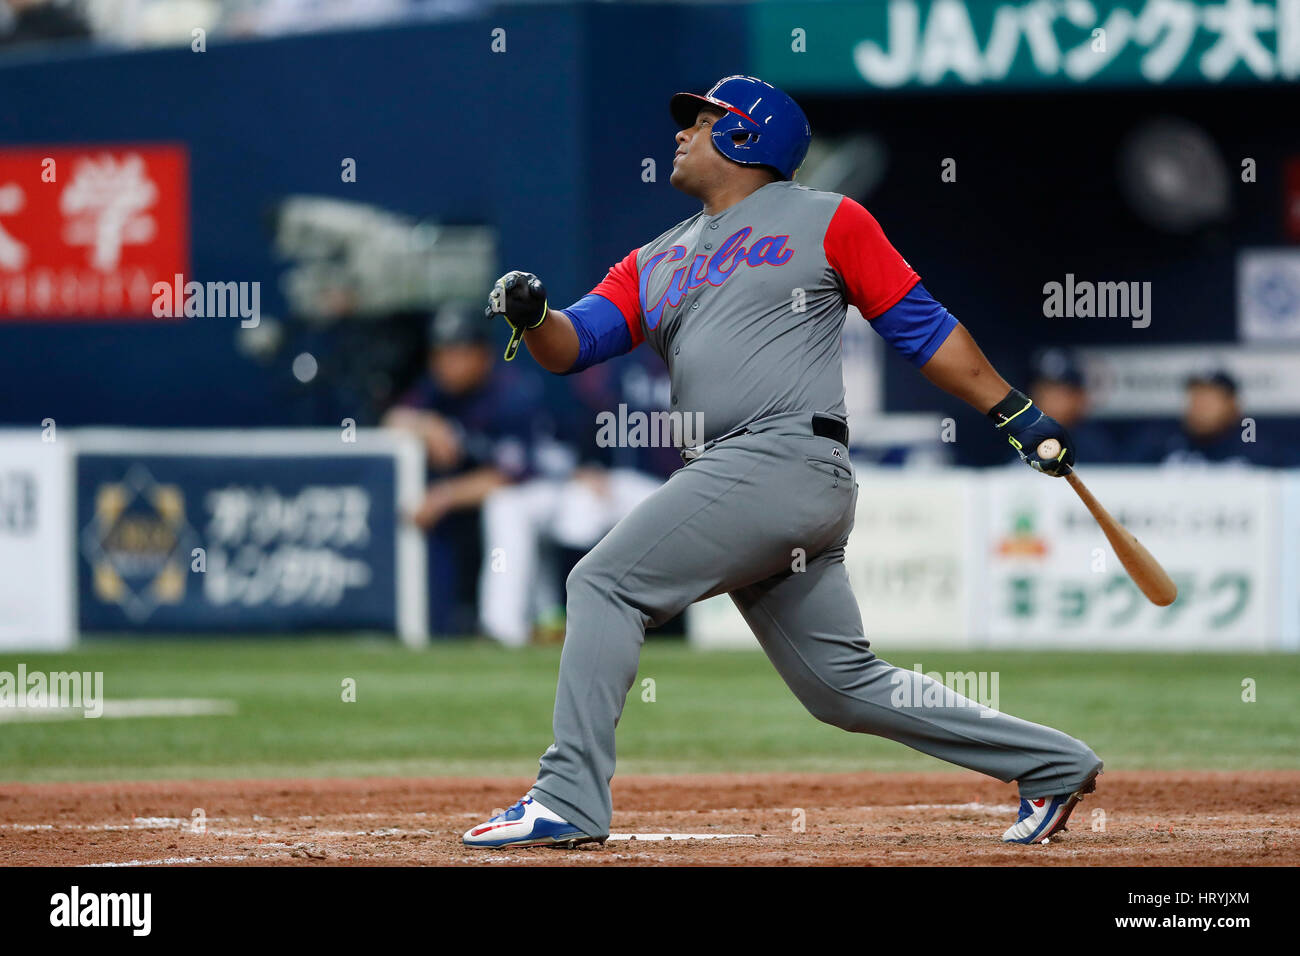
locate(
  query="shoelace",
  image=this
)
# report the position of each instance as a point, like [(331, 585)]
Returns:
[(519, 805)]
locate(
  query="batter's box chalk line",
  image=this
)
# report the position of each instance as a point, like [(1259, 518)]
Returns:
[(652, 837)]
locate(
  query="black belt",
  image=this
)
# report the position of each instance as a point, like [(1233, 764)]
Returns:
[(828, 426), (823, 426)]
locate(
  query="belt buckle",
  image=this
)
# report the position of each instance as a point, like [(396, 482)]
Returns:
[(695, 451)]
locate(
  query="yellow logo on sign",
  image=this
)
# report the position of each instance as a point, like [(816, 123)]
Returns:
[(138, 543)]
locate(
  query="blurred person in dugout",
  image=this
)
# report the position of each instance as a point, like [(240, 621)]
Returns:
[(484, 427), (30, 22), (529, 527), (1211, 429), (1056, 386)]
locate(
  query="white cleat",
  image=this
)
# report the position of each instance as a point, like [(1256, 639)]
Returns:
[(527, 823), (1043, 817)]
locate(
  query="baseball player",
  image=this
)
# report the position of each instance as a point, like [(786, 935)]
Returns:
[(745, 302)]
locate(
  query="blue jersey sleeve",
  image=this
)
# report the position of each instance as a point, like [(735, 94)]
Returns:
[(915, 326), (602, 331)]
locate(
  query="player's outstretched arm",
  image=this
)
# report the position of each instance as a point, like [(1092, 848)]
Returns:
[(554, 343), (889, 294), (959, 367)]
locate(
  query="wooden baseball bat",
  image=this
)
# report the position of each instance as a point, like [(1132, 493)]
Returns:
[(1145, 570)]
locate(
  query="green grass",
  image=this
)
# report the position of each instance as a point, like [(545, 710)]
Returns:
[(473, 708)]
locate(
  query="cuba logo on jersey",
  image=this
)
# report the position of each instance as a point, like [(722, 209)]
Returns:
[(715, 269)]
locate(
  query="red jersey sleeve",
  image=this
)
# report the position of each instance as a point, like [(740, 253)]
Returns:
[(622, 286), (875, 275)]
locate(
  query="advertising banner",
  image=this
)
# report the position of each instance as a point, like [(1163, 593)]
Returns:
[(1268, 294), (36, 593), (85, 232), (186, 532), (1008, 558), (908, 560), (844, 45), (1289, 566), (1053, 581), (1152, 378)]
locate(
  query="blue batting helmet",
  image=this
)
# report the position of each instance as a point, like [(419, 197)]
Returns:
[(777, 133)]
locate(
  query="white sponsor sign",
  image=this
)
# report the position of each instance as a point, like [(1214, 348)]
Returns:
[(1054, 581), (1268, 295), (1289, 566), (1149, 382), (907, 561), (909, 556), (715, 625), (36, 590), (1010, 558)]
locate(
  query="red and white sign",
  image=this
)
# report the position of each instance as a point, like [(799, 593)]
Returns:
[(86, 231)]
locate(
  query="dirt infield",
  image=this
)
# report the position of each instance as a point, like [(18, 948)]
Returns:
[(1135, 818)]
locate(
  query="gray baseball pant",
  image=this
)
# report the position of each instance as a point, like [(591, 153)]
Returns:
[(730, 522)]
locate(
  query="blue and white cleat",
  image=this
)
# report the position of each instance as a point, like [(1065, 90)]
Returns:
[(1042, 817), (527, 823)]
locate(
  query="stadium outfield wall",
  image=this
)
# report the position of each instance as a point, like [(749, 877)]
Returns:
[(1004, 558), (152, 531)]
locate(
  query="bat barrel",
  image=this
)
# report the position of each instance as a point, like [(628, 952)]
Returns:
[(1146, 572)]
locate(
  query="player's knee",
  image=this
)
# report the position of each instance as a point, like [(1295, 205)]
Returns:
[(838, 712), (588, 580)]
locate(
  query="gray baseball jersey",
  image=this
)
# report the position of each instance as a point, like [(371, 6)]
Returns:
[(747, 307)]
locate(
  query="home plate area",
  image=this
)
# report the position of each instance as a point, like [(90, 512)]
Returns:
[(652, 837), (1135, 818)]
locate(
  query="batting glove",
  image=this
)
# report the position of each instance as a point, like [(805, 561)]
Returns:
[(1026, 427), (521, 298)]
